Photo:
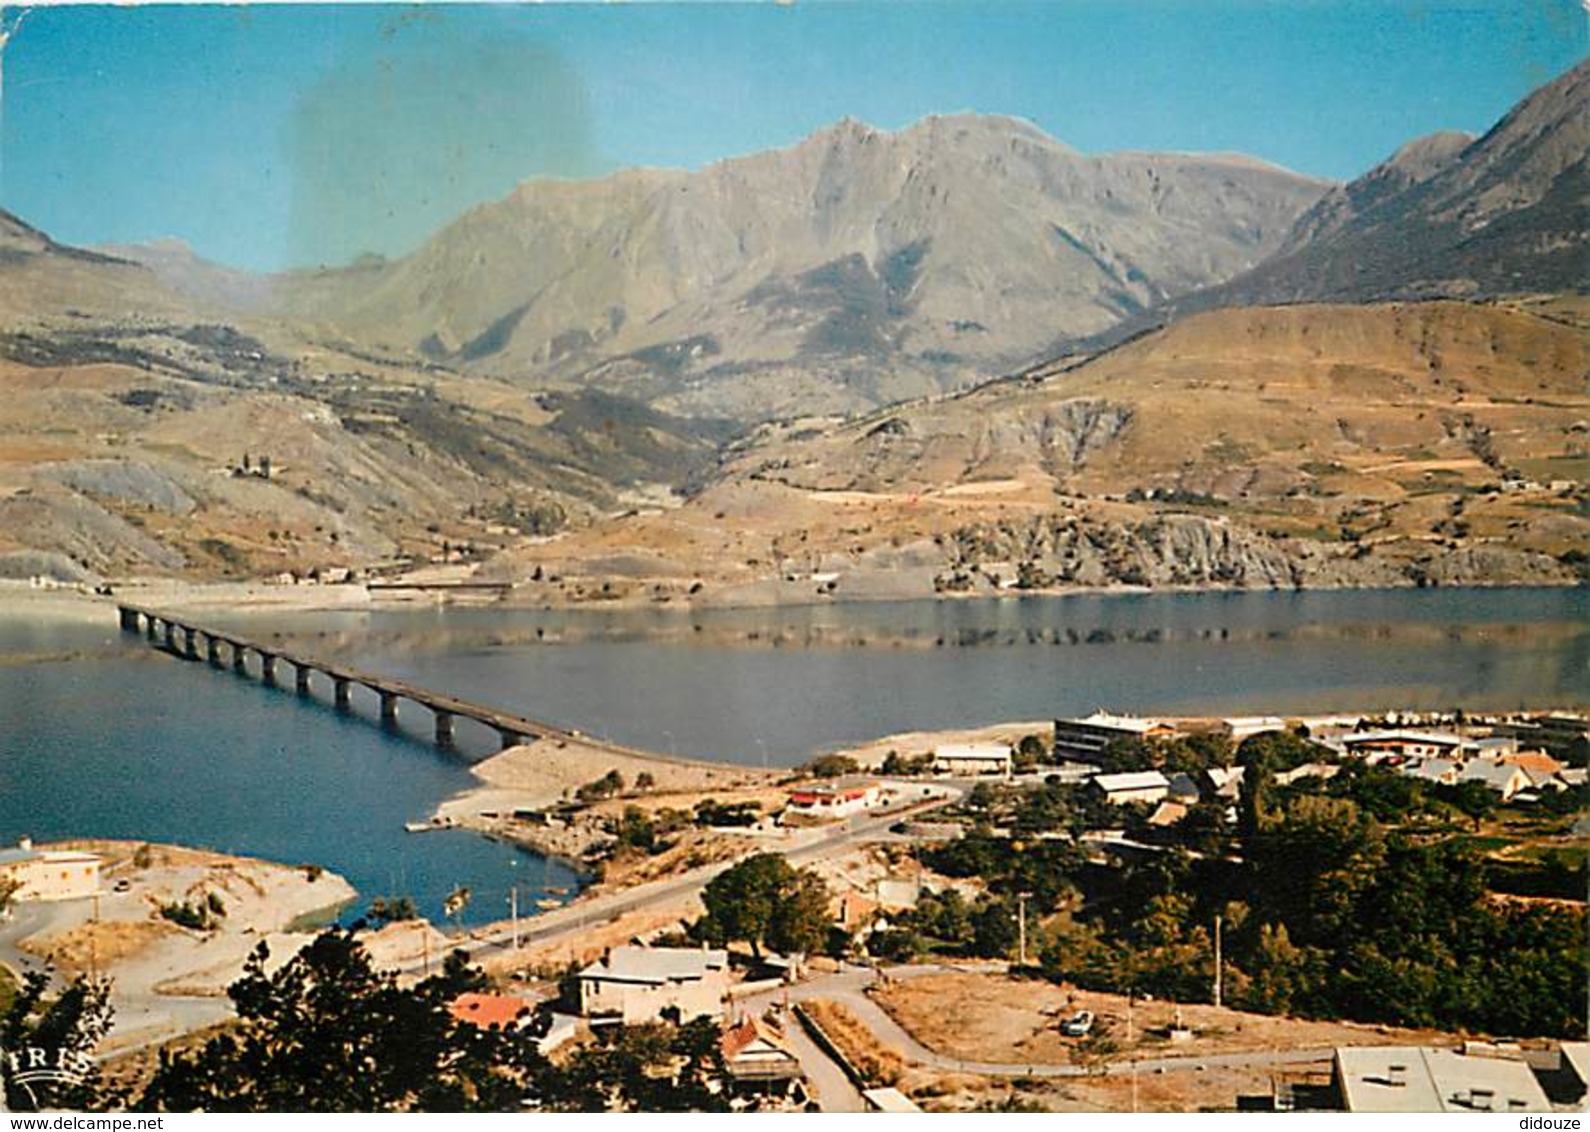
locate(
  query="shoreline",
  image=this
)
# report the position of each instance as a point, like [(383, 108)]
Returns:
[(66, 602)]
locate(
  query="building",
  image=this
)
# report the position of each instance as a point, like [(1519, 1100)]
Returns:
[(834, 801), (1375, 746), (756, 1057), (1422, 1079), (492, 1011), (1504, 779), (631, 985), (1441, 771), (1240, 727), (1085, 738), (1133, 786), (888, 1099), (972, 758), (49, 874), (1542, 769), (1224, 782)]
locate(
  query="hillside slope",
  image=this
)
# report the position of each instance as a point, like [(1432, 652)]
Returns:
[(1302, 446)]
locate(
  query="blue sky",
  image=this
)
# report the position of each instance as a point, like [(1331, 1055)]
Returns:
[(273, 136)]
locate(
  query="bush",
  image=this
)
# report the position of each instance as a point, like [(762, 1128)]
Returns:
[(831, 766)]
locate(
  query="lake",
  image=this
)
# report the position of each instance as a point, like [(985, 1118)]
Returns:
[(123, 741)]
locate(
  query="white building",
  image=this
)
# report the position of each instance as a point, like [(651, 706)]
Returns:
[(1505, 779), (644, 984), (972, 758), (1133, 786), (46, 874), (1421, 1079), (834, 801)]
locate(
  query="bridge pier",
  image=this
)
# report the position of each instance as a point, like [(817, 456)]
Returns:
[(239, 658), (444, 728), (212, 650), (301, 679), (388, 707), (190, 647), (129, 619), (510, 738), (149, 627), (171, 636), (267, 669), (341, 693)]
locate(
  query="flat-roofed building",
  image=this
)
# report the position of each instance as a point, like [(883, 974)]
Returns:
[(972, 758), (1132, 786), (49, 874), (631, 985), (1424, 1079), (1085, 738), (1373, 746)]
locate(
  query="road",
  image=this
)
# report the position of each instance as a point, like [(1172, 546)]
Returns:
[(568, 923)]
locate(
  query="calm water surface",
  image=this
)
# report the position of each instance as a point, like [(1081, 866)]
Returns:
[(126, 742)]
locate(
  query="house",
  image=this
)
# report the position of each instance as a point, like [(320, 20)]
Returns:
[(49, 874), (1225, 782), (833, 801), (1133, 786), (1085, 738), (492, 1011), (972, 758), (1442, 771), (508, 1013), (1502, 778), (631, 985), (1424, 1079), (1542, 769), (756, 1057), (1167, 814), (1184, 788)]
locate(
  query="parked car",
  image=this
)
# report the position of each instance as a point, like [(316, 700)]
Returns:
[(1078, 1024)]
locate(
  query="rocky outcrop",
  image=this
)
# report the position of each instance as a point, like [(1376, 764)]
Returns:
[(1062, 551)]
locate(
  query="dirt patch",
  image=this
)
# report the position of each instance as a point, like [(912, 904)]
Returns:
[(96, 946), (874, 1060), (988, 1017)]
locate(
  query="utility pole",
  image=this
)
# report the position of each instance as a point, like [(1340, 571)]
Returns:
[(1217, 960), (1021, 927), (513, 906)]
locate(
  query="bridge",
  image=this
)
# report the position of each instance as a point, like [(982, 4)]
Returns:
[(222, 649)]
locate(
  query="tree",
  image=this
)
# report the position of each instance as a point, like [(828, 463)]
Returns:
[(994, 928), (328, 1033), (391, 910), (800, 918), (649, 1068), (831, 766), (762, 900)]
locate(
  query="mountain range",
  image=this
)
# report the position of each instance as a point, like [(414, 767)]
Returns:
[(827, 326)]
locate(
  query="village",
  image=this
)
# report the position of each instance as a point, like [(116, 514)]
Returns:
[(918, 878)]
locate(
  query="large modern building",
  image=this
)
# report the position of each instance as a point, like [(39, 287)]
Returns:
[(1085, 738), (49, 874), (631, 985)]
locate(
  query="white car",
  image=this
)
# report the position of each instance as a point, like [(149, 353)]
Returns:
[(1078, 1024)]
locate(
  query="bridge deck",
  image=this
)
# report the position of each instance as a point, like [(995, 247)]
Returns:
[(435, 701)]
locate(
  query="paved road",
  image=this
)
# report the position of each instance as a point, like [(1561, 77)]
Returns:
[(570, 922)]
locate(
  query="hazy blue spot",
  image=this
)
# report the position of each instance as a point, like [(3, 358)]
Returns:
[(430, 120)]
